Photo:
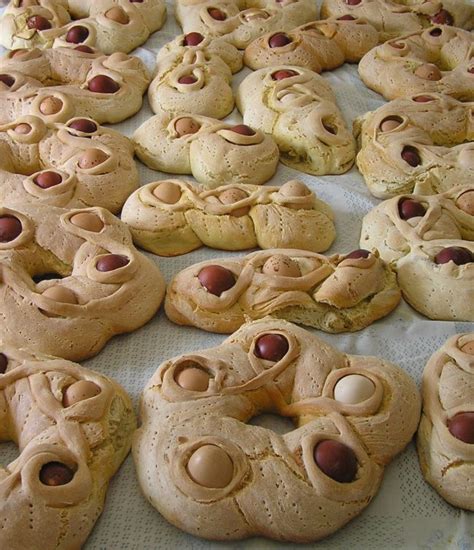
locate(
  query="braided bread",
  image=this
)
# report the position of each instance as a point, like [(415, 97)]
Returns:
[(73, 428), (174, 217), (336, 294), (446, 432), (194, 75), (213, 475), (395, 17), (71, 279), (417, 143), (241, 21), (61, 83), (214, 152), (429, 241), (108, 25), (438, 59), (71, 165), (318, 46), (298, 108)]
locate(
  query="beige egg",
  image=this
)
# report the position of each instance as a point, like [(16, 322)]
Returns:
[(210, 466), (390, 123), (353, 389), (294, 188), (468, 348), (80, 391), (51, 106), (428, 71), (281, 265), (466, 202), (118, 15), (87, 221), (92, 158), (230, 196), (186, 126), (193, 379), (23, 128), (167, 192), (60, 294)]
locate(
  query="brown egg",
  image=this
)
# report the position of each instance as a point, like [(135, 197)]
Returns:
[(411, 156), (83, 125), (48, 179), (3, 363), (456, 254), (187, 79), (353, 389), (51, 105), (465, 202), (23, 128), (77, 34), (92, 158), (84, 49), (281, 265), (243, 130), (55, 474), (193, 379), (89, 222), (279, 40), (443, 17), (111, 262), (294, 188), (103, 84), (390, 123), (357, 254), (217, 14), (210, 466), (230, 196), (271, 347), (193, 39), (186, 126), (118, 15), (468, 348), (283, 73), (60, 294), (10, 228), (38, 22), (216, 279), (336, 460), (461, 426), (428, 71), (80, 391), (167, 192), (423, 98)]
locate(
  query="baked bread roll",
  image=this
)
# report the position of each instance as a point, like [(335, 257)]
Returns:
[(73, 428), (61, 83), (435, 60), (318, 46), (446, 432), (71, 279), (337, 294), (298, 108), (393, 18), (210, 473), (194, 75), (416, 143), (429, 242), (108, 25), (241, 21), (174, 217), (72, 165), (214, 152)]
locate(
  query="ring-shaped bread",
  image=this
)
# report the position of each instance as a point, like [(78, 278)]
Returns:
[(207, 148), (429, 240), (211, 473), (422, 143), (318, 46), (297, 107), (61, 83), (241, 21), (108, 25), (71, 279), (173, 217), (393, 18), (436, 60), (336, 294), (445, 437), (72, 165), (73, 428)]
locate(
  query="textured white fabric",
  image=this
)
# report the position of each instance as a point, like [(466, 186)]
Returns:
[(407, 513)]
